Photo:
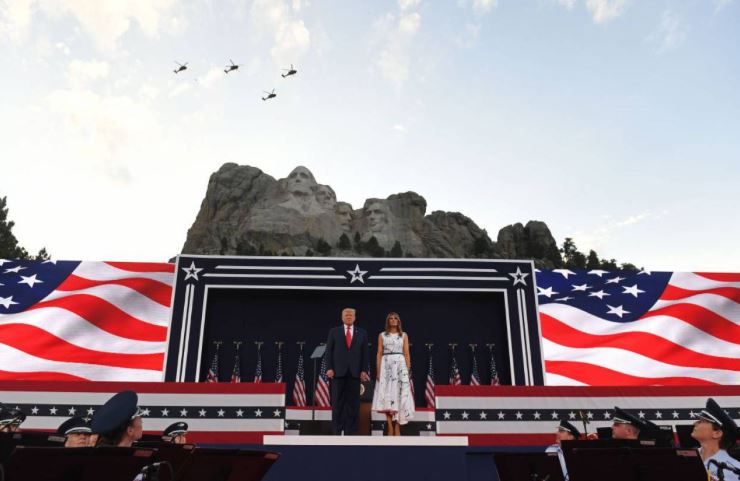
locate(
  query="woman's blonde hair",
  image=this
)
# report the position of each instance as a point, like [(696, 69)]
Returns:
[(387, 324)]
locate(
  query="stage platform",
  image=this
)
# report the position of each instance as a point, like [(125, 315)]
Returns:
[(397, 441)]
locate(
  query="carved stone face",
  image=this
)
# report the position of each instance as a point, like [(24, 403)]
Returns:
[(376, 215), (300, 181), (344, 215), (326, 197)]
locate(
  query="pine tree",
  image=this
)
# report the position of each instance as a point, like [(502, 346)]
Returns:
[(344, 243), (9, 248), (592, 262), (323, 247), (396, 250)]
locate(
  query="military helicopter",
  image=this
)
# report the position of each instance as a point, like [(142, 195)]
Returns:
[(231, 67), (289, 71), (270, 95), (181, 67)]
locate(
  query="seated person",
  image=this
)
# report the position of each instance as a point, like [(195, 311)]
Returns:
[(716, 432), (565, 432), (10, 419), (176, 433), (625, 425), (76, 432), (118, 421)]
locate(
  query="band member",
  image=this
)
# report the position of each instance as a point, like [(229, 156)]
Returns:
[(76, 432), (625, 425), (565, 432), (11, 419), (716, 432), (176, 433), (118, 421)]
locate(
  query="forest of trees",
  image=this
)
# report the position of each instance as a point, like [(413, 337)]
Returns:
[(9, 247)]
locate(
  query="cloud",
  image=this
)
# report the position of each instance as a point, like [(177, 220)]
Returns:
[(290, 35), (214, 75), (394, 34), (80, 73), (720, 4), (598, 237), (484, 6), (671, 32), (604, 11), (104, 20), (569, 4), (179, 89)]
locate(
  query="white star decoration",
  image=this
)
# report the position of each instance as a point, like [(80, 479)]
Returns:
[(192, 271), (582, 287), (202, 413), (183, 412), (239, 413), (501, 415), (519, 276), (446, 415), (619, 311), (34, 410), (165, 412), (483, 415), (276, 413), (6, 302), (357, 275), (53, 410), (90, 411), (258, 413), (221, 413), (71, 411), (465, 415), (519, 415), (15, 269), (564, 272), (600, 294), (598, 272), (632, 290), (615, 280), (30, 280), (546, 292), (145, 412)]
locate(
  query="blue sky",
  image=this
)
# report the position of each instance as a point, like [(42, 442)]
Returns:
[(617, 122)]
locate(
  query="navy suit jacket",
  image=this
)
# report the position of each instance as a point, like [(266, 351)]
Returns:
[(345, 361)]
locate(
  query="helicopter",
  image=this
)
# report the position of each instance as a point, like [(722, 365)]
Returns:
[(270, 95), (290, 71), (231, 67), (181, 67)]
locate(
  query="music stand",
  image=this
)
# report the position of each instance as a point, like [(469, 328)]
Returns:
[(528, 466), (659, 464), (602, 464), (8, 441), (80, 464)]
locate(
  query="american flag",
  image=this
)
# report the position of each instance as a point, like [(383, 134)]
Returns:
[(322, 398), (455, 379), (75, 321), (236, 373), (212, 375), (299, 386), (492, 372), (639, 328), (474, 375), (429, 389), (258, 369), (279, 368)]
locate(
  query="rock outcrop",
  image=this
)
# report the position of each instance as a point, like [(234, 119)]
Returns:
[(248, 212)]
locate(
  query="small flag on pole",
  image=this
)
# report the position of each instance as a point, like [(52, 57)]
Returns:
[(492, 367), (474, 375), (258, 370), (322, 397), (236, 373), (455, 379), (299, 386), (429, 389), (279, 368), (212, 375)]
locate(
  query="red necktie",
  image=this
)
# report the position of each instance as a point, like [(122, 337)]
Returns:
[(348, 337)]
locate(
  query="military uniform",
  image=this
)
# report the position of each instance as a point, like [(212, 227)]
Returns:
[(555, 448), (714, 414)]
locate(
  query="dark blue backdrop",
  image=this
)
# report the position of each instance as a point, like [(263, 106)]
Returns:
[(271, 315)]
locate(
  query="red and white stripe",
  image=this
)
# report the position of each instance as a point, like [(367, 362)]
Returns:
[(323, 399), (429, 392), (299, 392), (691, 336), (106, 322)]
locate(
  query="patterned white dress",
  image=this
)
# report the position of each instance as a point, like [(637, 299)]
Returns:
[(393, 388)]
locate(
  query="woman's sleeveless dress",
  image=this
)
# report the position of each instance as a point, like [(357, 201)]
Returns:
[(393, 389)]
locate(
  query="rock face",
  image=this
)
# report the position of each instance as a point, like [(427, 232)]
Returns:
[(247, 212)]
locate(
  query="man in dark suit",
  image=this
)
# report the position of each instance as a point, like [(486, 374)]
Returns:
[(347, 357)]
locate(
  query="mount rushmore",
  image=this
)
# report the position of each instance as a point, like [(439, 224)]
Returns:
[(248, 212)]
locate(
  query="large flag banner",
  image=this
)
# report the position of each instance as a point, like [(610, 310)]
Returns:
[(96, 321), (639, 328)]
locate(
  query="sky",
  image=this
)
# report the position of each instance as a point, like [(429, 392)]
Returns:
[(617, 122)]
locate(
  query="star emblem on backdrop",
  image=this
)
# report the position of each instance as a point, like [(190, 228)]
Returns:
[(192, 271), (519, 276), (357, 275)]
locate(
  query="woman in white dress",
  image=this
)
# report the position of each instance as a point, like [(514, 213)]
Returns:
[(393, 387)]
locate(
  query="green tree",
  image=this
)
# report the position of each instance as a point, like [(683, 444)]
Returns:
[(373, 248), (344, 243), (358, 243), (574, 259), (396, 250), (626, 266), (9, 248), (480, 247), (609, 265), (592, 262)]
